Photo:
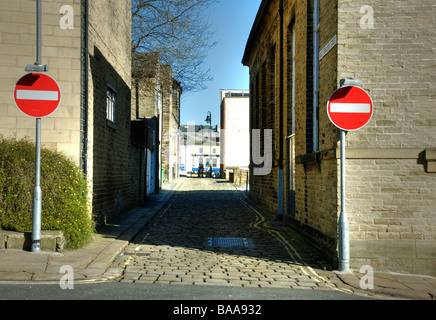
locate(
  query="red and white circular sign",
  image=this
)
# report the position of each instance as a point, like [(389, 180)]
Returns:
[(37, 95), (350, 108)]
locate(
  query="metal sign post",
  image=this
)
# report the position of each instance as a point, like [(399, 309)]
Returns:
[(344, 234), (37, 95), (37, 193), (349, 108)]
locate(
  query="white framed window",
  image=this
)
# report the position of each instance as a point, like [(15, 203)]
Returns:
[(111, 104)]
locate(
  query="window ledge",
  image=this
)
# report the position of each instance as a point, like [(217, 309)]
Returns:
[(111, 124)]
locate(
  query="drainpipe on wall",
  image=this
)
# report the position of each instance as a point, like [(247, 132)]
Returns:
[(158, 179), (85, 90), (280, 171)]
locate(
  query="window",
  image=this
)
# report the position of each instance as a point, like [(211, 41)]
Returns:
[(110, 104), (237, 95)]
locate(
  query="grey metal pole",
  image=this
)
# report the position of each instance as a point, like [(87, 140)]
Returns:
[(38, 32), (344, 238), (37, 194)]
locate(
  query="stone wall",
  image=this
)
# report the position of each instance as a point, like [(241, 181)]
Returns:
[(109, 141), (390, 183), (61, 50), (391, 194), (171, 92)]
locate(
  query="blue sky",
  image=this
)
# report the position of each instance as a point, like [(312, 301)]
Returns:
[(232, 21)]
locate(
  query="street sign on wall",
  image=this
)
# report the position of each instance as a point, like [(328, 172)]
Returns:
[(37, 95), (350, 108)]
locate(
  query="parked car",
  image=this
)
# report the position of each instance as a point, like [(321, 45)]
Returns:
[(215, 173)]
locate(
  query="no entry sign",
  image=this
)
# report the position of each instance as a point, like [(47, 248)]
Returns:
[(37, 95), (350, 108)]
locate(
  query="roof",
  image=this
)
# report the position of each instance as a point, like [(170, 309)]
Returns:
[(254, 30)]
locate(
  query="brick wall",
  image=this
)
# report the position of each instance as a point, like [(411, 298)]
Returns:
[(146, 80), (391, 196), (317, 187), (170, 123), (109, 142), (109, 64), (61, 52), (390, 187), (263, 105)]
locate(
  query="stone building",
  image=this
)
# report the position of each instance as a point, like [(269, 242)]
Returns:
[(172, 92), (146, 122), (297, 52), (157, 94), (87, 47)]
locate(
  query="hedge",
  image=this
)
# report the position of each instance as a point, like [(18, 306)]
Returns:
[(63, 186)]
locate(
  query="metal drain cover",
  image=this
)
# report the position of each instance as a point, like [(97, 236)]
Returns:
[(228, 242)]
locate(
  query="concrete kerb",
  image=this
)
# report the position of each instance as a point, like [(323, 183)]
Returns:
[(398, 285)]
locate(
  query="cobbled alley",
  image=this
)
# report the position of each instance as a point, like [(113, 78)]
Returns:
[(210, 234)]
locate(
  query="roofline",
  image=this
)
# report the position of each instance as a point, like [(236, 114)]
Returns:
[(254, 30)]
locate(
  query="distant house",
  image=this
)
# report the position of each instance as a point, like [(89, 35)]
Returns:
[(235, 129), (298, 52), (199, 146), (91, 61)]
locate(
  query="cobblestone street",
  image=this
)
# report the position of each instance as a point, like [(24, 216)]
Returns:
[(209, 234)]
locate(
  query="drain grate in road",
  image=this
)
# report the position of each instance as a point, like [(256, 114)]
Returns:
[(228, 242), (139, 254)]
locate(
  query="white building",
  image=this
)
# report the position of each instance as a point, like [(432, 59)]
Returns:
[(235, 129), (199, 145)]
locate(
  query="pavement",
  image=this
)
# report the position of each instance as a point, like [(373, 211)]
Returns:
[(92, 262), (95, 261)]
